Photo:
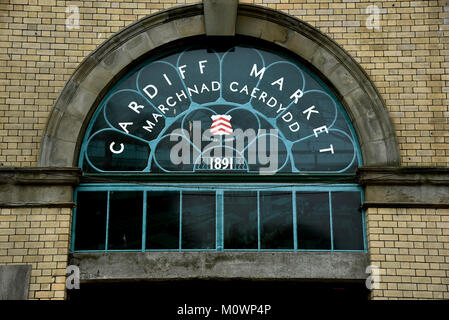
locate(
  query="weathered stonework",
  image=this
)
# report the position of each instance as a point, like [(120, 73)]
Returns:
[(221, 265), (37, 187), (405, 187), (38, 237)]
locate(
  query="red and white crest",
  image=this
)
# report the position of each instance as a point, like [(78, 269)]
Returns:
[(221, 124)]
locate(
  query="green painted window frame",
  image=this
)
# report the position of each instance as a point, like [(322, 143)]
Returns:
[(219, 189)]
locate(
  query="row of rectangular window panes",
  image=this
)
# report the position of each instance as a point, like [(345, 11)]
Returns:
[(250, 220)]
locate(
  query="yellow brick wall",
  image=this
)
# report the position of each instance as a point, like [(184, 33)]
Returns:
[(407, 58), (411, 248), (38, 237)]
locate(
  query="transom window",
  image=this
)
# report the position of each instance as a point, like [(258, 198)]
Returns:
[(206, 217), (236, 146)]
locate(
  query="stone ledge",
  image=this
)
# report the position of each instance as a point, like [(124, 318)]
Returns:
[(403, 175), (405, 187), (221, 265), (37, 187), (40, 175)]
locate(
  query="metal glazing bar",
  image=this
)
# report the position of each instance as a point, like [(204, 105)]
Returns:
[(75, 200), (295, 227), (258, 220), (331, 222), (180, 220), (144, 221), (219, 209), (106, 242)]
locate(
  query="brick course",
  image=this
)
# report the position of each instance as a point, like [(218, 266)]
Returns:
[(411, 248)]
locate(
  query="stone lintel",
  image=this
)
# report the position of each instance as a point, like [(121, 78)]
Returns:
[(405, 187), (221, 265), (37, 187)]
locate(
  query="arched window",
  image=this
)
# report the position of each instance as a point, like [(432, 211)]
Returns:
[(237, 145)]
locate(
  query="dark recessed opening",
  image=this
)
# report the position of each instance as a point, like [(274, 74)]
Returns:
[(217, 292)]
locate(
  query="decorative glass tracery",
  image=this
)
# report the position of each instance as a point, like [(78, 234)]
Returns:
[(160, 117)]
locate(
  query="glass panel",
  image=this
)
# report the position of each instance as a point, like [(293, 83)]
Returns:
[(125, 220), (90, 224), (110, 150), (313, 219), (198, 220), (162, 220), (240, 220), (276, 220), (347, 221)]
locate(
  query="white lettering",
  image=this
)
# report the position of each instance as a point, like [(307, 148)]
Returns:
[(151, 96), (253, 93), (233, 84), (124, 125), (166, 79), (309, 111), (331, 149), (111, 147), (162, 108), (279, 82), (297, 95), (168, 102), (273, 102), (215, 85), (263, 95), (287, 114), (201, 64), (204, 88), (292, 125), (182, 71), (280, 109), (257, 73), (190, 90), (245, 90), (156, 116), (182, 94), (319, 130), (135, 106), (150, 126)]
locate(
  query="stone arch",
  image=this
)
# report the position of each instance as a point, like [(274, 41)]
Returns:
[(73, 109)]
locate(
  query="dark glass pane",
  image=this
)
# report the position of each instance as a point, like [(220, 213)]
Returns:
[(276, 220), (90, 224), (313, 219), (347, 221), (162, 220), (198, 220), (240, 220), (125, 220), (110, 150)]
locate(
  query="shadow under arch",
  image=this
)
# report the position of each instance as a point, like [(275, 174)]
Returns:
[(80, 96)]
